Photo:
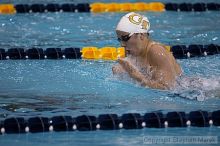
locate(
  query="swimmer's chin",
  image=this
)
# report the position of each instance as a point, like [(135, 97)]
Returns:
[(128, 52)]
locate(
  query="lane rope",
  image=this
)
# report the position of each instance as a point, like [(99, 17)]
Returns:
[(198, 118), (103, 53), (108, 7)]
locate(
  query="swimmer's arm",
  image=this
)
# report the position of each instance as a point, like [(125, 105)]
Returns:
[(138, 76), (164, 72), (117, 69), (163, 75)]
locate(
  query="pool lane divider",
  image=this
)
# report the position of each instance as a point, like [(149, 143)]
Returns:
[(110, 122), (108, 7), (104, 53)]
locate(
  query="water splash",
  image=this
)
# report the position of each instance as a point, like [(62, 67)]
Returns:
[(197, 88)]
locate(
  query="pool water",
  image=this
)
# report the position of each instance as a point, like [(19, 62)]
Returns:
[(77, 87)]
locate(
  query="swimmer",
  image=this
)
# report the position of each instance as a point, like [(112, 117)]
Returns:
[(147, 62)]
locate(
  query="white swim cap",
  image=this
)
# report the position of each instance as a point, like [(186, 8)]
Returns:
[(134, 23)]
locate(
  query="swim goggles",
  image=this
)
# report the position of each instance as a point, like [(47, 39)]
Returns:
[(125, 38)]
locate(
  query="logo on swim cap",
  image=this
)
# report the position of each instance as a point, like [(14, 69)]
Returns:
[(135, 18), (133, 23)]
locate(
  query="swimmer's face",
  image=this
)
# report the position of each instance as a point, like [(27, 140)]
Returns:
[(129, 42)]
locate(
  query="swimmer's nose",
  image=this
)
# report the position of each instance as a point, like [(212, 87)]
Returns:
[(123, 44)]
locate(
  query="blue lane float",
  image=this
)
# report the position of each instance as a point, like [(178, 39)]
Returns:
[(215, 116), (2, 54), (86, 123), (213, 7), (62, 123), (84, 7), (188, 7), (176, 119), (53, 53), (14, 125), (154, 120), (72, 53), (132, 121), (68, 7), (35, 53), (194, 50), (22, 8), (37, 124), (41, 8), (39, 53), (53, 7), (110, 122), (16, 53), (199, 118), (37, 8)]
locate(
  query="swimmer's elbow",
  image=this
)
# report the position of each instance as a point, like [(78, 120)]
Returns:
[(156, 85), (163, 86), (117, 69), (114, 70)]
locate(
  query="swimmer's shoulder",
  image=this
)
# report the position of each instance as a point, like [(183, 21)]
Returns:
[(155, 44), (157, 55), (156, 49), (117, 69)]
